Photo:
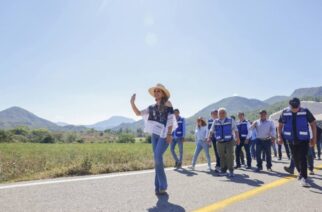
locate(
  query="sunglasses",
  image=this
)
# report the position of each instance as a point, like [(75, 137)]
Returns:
[(157, 91)]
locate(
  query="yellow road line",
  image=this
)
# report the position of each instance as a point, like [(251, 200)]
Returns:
[(248, 194)]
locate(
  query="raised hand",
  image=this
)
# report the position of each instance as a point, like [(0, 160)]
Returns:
[(133, 98)]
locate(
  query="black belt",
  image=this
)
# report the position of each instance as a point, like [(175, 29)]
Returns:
[(264, 139)]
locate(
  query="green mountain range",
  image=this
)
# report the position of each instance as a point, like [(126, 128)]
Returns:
[(16, 116)]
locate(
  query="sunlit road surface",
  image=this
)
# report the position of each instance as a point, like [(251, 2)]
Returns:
[(188, 191)]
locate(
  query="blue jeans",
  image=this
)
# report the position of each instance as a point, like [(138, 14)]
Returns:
[(159, 146), (176, 141), (199, 146), (252, 148), (264, 146)]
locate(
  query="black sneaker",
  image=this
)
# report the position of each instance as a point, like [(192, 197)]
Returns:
[(176, 165), (311, 172), (237, 167), (258, 170), (179, 166), (279, 158), (269, 169), (288, 170), (249, 167)]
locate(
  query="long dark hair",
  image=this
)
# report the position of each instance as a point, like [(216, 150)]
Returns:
[(164, 100)]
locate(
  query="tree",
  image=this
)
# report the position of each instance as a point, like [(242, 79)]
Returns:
[(126, 138), (139, 133), (4, 136)]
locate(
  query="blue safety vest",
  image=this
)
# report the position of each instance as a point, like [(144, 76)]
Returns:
[(224, 130), (302, 125), (179, 131), (243, 129)]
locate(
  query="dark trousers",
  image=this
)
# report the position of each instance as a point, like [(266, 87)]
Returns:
[(310, 160), (216, 153), (300, 157), (247, 150), (265, 146), (287, 150)]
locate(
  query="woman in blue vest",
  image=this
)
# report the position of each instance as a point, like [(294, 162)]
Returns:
[(225, 130), (159, 121), (294, 127), (201, 134), (178, 138)]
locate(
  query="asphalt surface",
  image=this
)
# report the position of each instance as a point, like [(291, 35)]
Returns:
[(188, 191)]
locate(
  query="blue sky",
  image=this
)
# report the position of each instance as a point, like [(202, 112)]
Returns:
[(79, 61)]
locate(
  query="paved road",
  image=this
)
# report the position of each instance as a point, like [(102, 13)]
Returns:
[(133, 191)]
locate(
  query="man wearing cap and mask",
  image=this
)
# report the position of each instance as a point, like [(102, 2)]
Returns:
[(214, 116), (294, 125), (265, 136)]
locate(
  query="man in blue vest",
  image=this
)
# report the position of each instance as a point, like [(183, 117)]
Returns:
[(245, 134), (265, 136), (214, 116), (225, 130), (178, 138), (294, 125)]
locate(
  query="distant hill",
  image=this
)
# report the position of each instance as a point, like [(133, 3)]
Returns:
[(312, 92), (62, 124), (130, 126), (15, 117), (276, 99), (233, 105), (112, 122)]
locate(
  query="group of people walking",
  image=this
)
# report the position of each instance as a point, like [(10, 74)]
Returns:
[(297, 131)]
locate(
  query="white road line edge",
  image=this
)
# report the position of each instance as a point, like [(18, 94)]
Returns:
[(78, 179)]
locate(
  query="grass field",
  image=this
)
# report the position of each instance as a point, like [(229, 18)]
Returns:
[(30, 161)]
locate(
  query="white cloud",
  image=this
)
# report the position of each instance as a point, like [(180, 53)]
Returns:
[(235, 94), (151, 39)]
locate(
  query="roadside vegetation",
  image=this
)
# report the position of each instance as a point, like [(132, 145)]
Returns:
[(29, 161)]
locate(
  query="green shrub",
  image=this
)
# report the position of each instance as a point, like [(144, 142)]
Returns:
[(126, 138)]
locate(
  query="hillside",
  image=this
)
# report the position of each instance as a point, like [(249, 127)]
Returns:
[(112, 122), (276, 99), (15, 117), (312, 92), (233, 105)]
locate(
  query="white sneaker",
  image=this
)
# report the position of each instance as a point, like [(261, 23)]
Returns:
[(192, 168), (209, 169), (304, 183)]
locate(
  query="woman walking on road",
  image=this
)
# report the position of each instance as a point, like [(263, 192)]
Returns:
[(159, 121), (201, 135)]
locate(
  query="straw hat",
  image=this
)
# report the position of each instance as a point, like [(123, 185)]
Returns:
[(161, 87)]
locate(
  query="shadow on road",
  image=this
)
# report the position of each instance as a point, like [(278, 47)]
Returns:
[(281, 162), (163, 204), (185, 172), (244, 179)]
